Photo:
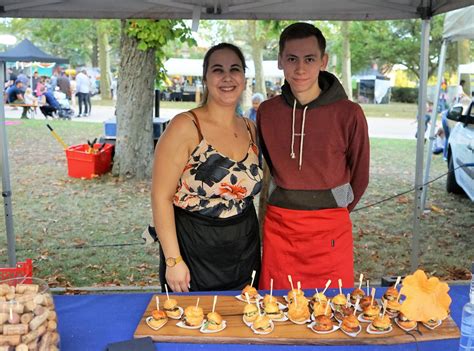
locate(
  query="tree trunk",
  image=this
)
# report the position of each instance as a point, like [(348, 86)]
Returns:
[(463, 58), (134, 144), (346, 59), (104, 60), (95, 53), (257, 57)]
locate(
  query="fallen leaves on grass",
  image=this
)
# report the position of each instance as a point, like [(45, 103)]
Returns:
[(402, 200)]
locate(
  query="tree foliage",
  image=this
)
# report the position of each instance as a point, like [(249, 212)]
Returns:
[(155, 34)]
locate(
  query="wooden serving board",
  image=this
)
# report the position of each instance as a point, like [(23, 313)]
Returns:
[(284, 333)]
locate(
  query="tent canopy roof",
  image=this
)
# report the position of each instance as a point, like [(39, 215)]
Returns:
[(27, 52), (230, 9), (459, 24)]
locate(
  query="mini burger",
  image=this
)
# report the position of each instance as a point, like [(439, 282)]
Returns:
[(171, 308), (393, 308), (350, 324), (298, 312), (319, 297), (371, 312), (268, 298), (357, 294), (320, 309), (295, 293), (253, 293), (404, 322), (158, 319), (381, 323), (339, 301), (323, 323), (214, 321), (272, 311), (366, 300), (250, 312), (193, 316), (390, 294), (262, 324), (343, 311)]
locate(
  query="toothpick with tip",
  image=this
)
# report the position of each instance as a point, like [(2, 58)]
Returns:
[(291, 282), (367, 287), (356, 306), (271, 289), (373, 296), (157, 300), (397, 282), (317, 295), (340, 286), (167, 295), (197, 304), (214, 303), (384, 308), (327, 286), (361, 277), (253, 277)]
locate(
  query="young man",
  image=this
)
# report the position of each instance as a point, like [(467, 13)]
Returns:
[(316, 143)]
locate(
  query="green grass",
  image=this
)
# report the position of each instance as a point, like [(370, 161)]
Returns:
[(65, 224)]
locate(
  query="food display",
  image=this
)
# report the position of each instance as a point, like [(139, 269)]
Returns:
[(296, 323), (28, 319)]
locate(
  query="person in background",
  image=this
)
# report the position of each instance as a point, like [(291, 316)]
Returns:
[(64, 85), (35, 79), (460, 93), (39, 87), (23, 78), (439, 142), (49, 104), (316, 144), (83, 90), (16, 96), (257, 99), (206, 173)]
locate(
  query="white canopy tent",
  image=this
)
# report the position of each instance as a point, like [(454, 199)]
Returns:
[(458, 25), (193, 67), (241, 9)]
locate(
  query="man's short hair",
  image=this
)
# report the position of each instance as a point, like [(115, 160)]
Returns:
[(302, 30)]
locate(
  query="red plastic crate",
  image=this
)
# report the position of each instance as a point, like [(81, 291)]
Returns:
[(22, 269), (83, 164)]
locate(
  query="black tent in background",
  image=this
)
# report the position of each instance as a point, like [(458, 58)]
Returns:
[(25, 52)]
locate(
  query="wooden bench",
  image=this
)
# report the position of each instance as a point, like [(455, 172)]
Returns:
[(32, 107)]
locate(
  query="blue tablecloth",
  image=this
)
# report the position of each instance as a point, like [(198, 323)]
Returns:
[(91, 322)]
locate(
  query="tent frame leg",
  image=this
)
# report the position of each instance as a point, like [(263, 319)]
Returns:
[(5, 169)]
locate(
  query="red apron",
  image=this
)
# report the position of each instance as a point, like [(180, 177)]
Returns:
[(311, 246)]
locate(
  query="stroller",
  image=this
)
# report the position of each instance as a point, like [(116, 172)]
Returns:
[(65, 110)]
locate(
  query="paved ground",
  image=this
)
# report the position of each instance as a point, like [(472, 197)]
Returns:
[(393, 128)]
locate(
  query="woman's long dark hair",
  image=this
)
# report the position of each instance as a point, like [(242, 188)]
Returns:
[(205, 64)]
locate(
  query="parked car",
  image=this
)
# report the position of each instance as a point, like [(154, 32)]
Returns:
[(460, 155)]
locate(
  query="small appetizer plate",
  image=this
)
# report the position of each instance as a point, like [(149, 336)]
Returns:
[(334, 328), (248, 324), (148, 319), (313, 318), (272, 326), (352, 335), (372, 330), (258, 298), (181, 311), (300, 323), (204, 329), (362, 319), (183, 325), (433, 327), (405, 329)]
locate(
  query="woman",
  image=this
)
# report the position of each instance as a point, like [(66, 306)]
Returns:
[(205, 175)]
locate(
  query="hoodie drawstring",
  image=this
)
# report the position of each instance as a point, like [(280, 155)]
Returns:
[(292, 153), (300, 163), (293, 134)]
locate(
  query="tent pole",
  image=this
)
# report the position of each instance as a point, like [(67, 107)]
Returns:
[(6, 189), (418, 210), (434, 115)]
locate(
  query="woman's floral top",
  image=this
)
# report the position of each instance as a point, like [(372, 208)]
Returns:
[(215, 185)]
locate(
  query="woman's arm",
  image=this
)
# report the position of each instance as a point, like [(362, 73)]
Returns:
[(171, 154)]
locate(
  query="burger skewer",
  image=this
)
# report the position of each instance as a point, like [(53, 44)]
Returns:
[(355, 306), (214, 303), (197, 303), (397, 282), (361, 277), (291, 282), (271, 288), (298, 284), (247, 297), (317, 295), (157, 300), (166, 289), (327, 286), (373, 297), (384, 308), (340, 286), (368, 287), (253, 277)]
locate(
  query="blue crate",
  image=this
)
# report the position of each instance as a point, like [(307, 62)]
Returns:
[(159, 125)]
